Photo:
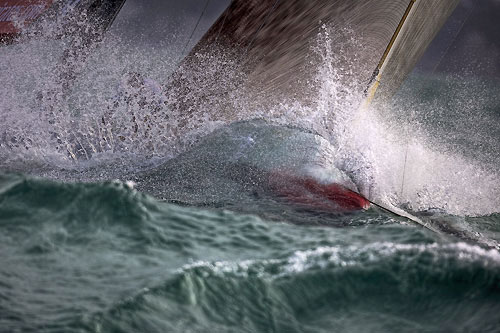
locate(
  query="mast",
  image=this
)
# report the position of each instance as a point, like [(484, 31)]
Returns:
[(271, 41), (419, 25)]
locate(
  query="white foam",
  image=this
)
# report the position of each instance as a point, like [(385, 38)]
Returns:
[(348, 256), (39, 123)]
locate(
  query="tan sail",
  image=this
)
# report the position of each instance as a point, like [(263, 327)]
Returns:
[(417, 29), (272, 40)]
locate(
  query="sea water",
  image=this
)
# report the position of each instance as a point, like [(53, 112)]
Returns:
[(110, 224)]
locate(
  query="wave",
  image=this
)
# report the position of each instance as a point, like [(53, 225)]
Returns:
[(105, 257), (99, 255), (24, 198), (378, 287), (134, 122)]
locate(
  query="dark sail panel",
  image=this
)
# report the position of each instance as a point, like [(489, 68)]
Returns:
[(273, 40)]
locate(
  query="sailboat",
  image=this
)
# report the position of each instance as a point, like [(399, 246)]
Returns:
[(270, 43), (272, 38)]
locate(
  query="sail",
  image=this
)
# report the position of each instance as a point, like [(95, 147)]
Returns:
[(418, 28), (272, 41)]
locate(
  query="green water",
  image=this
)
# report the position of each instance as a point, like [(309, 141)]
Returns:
[(106, 258), (203, 242), (223, 251)]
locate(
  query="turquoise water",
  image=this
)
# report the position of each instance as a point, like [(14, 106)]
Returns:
[(222, 252), (105, 258), (122, 212)]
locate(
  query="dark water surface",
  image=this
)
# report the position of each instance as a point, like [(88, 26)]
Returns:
[(225, 252), (105, 258), (202, 231)]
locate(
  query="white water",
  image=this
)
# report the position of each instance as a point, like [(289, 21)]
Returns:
[(120, 113)]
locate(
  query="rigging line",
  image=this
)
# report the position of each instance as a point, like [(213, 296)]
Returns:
[(403, 214), (404, 170), (374, 81), (407, 137), (226, 14), (195, 27), (428, 223)]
